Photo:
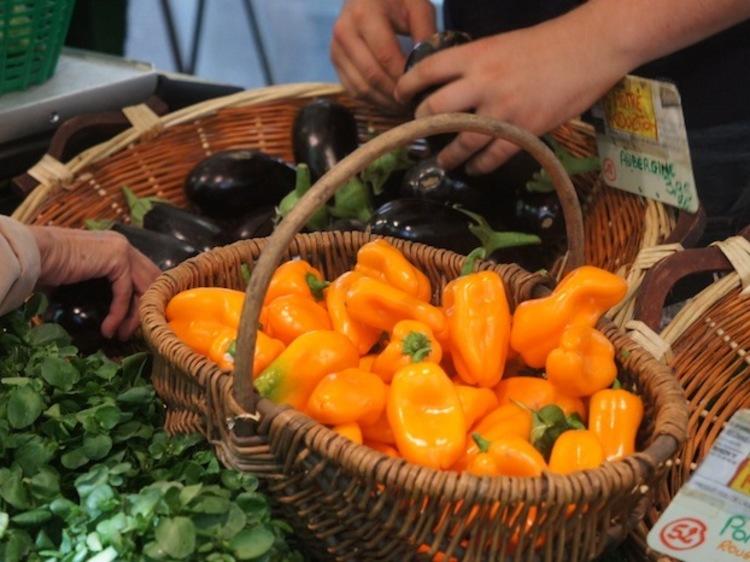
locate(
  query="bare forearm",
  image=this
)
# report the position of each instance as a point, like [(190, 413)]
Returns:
[(639, 31)]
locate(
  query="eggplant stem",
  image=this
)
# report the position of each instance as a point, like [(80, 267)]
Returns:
[(493, 240), (471, 260)]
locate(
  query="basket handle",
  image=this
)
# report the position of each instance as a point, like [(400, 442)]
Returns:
[(74, 134), (661, 279), (326, 186)]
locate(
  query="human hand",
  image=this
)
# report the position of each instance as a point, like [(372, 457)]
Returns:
[(536, 78), (70, 255), (365, 50)]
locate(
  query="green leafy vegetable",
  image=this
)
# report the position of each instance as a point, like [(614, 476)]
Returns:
[(86, 473)]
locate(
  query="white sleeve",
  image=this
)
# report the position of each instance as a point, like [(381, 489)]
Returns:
[(19, 264)]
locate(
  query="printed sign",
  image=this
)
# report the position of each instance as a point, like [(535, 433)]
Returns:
[(709, 519), (643, 143)]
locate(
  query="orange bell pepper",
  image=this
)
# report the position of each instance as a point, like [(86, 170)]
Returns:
[(380, 431), (501, 422), (584, 362), (363, 337), (425, 414), (292, 376), (411, 342), (290, 316), (508, 419), (215, 304), (366, 361), (535, 393), (379, 305), (351, 395), (507, 456), (614, 417), (296, 277), (577, 449), (580, 298), (380, 260), (475, 402), (216, 341), (383, 448), (478, 326), (349, 430)]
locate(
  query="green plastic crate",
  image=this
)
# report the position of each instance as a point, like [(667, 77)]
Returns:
[(32, 32)]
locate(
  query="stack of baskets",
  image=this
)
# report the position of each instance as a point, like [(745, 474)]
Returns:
[(706, 344), (348, 502), (32, 32)]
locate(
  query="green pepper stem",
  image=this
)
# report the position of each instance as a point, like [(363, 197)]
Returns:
[(417, 346), (317, 286), (482, 443), (617, 385)]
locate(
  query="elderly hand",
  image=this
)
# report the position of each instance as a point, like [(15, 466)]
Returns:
[(365, 50), (69, 256), (536, 78)]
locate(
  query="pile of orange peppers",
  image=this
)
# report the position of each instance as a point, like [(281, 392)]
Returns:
[(463, 386)]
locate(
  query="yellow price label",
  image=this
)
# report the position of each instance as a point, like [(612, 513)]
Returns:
[(629, 108)]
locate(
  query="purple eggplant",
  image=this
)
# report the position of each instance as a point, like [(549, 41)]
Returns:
[(232, 183), (324, 133)]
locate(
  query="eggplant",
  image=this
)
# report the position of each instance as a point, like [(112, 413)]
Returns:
[(435, 224), (200, 232), (540, 213), (165, 251), (232, 183), (427, 180), (324, 133), (256, 224), (80, 309), (438, 42)]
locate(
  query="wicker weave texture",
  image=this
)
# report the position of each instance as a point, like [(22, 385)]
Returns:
[(154, 160)]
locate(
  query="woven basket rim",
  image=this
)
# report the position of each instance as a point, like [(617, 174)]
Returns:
[(663, 445)]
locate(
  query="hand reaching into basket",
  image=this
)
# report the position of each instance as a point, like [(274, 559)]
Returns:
[(69, 256), (365, 50), (536, 78)]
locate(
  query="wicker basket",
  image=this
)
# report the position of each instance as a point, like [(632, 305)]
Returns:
[(154, 156), (32, 33), (706, 344), (348, 502)]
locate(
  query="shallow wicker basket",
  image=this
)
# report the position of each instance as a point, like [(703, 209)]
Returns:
[(707, 344), (349, 502), (154, 156)]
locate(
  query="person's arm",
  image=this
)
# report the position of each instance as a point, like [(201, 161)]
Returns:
[(541, 76), (644, 30), (19, 264)]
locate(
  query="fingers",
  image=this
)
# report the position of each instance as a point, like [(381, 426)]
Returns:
[(496, 154), (353, 81), (458, 95), (440, 68), (130, 324), (384, 49), (143, 272), (122, 293), (461, 148), (421, 17), (366, 54)]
